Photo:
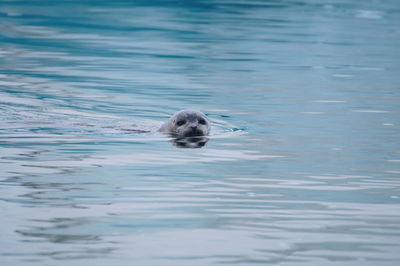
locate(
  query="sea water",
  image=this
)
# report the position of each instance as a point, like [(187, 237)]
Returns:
[(302, 166)]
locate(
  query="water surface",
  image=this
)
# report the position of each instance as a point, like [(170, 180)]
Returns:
[(302, 166)]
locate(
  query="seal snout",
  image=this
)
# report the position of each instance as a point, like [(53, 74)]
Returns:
[(194, 128)]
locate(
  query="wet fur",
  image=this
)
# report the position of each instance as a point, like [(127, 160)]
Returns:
[(196, 124)]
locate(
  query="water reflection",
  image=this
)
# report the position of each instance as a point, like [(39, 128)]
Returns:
[(189, 142)]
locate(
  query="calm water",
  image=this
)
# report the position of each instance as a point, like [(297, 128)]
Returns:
[(302, 167)]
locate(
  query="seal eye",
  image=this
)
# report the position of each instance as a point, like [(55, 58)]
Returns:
[(202, 121), (181, 122)]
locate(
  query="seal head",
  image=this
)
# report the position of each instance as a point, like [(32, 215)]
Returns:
[(187, 123)]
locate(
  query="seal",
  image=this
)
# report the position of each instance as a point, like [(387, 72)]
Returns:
[(187, 123)]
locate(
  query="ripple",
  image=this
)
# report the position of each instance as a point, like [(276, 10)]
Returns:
[(371, 111), (329, 101), (369, 14)]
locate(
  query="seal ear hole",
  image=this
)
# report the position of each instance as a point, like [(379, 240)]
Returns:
[(181, 122), (202, 121)]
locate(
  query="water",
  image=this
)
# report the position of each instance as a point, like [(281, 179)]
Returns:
[(302, 166)]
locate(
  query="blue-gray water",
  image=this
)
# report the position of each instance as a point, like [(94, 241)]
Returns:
[(302, 166)]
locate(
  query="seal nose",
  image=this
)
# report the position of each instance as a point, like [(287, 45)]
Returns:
[(194, 128)]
